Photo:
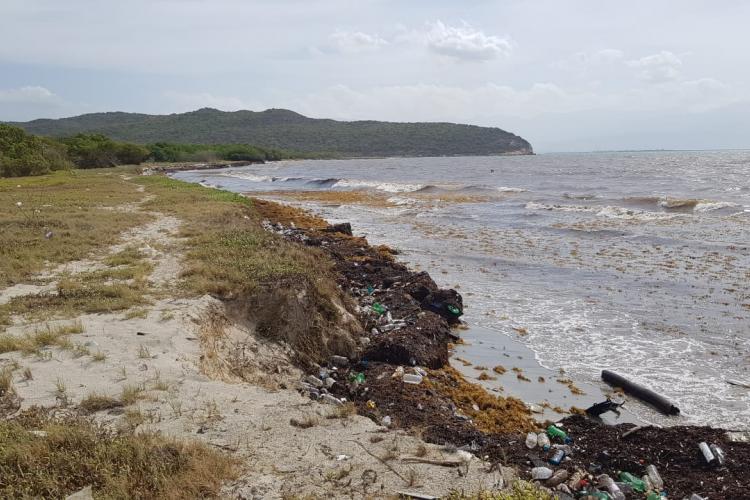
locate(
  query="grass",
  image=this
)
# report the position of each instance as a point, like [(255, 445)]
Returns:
[(76, 453), (32, 343), (98, 402), (71, 204), (131, 394)]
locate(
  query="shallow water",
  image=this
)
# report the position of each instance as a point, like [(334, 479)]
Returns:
[(633, 262)]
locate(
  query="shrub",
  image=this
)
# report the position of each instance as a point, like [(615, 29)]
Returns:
[(25, 154)]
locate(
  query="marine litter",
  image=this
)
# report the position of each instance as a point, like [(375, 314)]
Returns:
[(402, 378)]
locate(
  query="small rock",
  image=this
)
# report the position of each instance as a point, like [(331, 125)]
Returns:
[(387, 421), (313, 380)]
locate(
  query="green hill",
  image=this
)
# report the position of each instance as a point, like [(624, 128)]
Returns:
[(283, 129)]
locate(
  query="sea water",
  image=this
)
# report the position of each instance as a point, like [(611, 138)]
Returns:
[(636, 262)]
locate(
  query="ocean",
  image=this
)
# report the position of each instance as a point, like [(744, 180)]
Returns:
[(636, 262)]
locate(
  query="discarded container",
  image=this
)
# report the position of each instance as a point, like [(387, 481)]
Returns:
[(329, 382), (412, 378), (654, 496), (541, 473), (339, 361), (378, 308), (575, 480), (557, 458), (327, 398), (370, 290), (371, 404), (553, 431), (654, 477), (564, 447), (707, 453), (387, 421), (659, 402), (313, 380), (531, 440), (614, 491), (634, 482), (398, 372), (557, 478), (626, 489), (357, 377), (543, 441), (718, 453)]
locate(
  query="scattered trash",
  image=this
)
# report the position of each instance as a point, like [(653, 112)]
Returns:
[(541, 473), (558, 457), (418, 496), (398, 372), (659, 402), (378, 308), (614, 491), (339, 361), (357, 377), (411, 378), (531, 440), (543, 441), (707, 453), (603, 407), (557, 478), (48, 235), (553, 431), (718, 453), (340, 458), (654, 477), (387, 421), (313, 380), (327, 398), (371, 404), (329, 382), (634, 482)]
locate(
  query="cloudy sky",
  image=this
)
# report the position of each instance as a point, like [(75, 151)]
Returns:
[(567, 75)]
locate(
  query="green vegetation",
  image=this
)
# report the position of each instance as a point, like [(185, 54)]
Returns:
[(286, 130), (167, 152), (98, 151), (24, 154), (72, 454)]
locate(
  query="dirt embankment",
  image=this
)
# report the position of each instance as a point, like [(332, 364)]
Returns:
[(407, 322)]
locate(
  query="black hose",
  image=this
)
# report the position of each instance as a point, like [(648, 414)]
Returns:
[(657, 401)]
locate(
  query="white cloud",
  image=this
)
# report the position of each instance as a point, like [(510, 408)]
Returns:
[(29, 95), (658, 68), (465, 42), (350, 42)]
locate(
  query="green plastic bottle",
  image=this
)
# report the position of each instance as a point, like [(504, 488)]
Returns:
[(378, 308), (654, 496), (636, 483), (554, 432)]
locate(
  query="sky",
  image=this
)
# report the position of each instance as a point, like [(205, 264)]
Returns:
[(573, 75)]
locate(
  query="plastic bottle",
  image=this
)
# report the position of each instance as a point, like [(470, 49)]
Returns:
[(553, 431), (614, 491), (633, 481), (558, 477), (543, 441), (558, 457), (531, 440), (707, 454), (654, 477), (654, 496), (718, 453), (564, 447), (541, 473)]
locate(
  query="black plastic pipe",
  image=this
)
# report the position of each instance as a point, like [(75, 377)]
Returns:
[(657, 401)]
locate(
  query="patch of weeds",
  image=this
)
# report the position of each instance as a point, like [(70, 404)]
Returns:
[(75, 453), (166, 316), (32, 343), (131, 394), (305, 422), (346, 410), (136, 313), (133, 418), (80, 350), (143, 352), (61, 392), (520, 490), (128, 256), (27, 375), (99, 356), (98, 402)]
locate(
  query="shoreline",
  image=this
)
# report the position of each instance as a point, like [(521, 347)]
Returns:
[(683, 471)]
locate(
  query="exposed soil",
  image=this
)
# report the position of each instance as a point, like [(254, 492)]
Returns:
[(407, 322)]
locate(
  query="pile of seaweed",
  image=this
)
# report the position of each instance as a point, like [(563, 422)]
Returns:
[(401, 378)]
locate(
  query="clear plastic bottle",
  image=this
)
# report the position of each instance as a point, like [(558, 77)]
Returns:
[(718, 453), (558, 477), (707, 454), (531, 440), (614, 491), (541, 473), (543, 441), (558, 457), (654, 477)]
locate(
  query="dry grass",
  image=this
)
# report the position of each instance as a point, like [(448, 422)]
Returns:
[(305, 422), (131, 394), (520, 490), (98, 402), (32, 343), (76, 453), (72, 205), (346, 410)]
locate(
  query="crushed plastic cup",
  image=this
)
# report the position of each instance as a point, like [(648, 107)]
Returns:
[(412, 378)]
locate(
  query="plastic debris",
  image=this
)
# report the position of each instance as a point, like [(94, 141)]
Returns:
[(707, 453), (654, 477), (313, 380), (531, 440), (614, 491), (553, 431), (541, 473), (339, 361), (378, 308), (558, 457), (327, 398), (412, 378), (543, 441), (633, 481), (387, 421)]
